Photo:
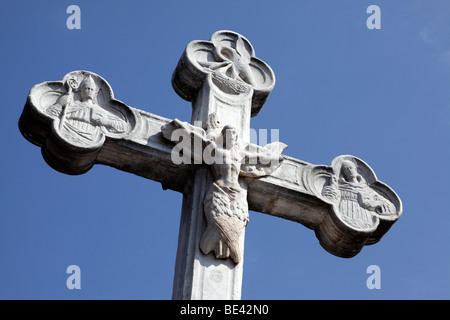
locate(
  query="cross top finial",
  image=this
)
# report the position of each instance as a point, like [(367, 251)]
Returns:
[(229, 56)]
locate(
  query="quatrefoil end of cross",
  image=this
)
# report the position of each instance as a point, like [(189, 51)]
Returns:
[(227, 54)]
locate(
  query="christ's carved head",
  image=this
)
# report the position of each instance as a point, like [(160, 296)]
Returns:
[(230, 136)]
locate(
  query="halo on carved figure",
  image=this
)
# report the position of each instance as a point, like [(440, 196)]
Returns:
[(227, 55)]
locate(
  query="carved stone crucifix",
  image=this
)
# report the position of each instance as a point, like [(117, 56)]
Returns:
[(77, 122)]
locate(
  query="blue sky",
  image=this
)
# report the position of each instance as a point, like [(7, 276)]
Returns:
[(381, 95)]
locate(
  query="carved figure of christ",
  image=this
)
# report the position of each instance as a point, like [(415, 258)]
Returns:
[(227, 85), (225, 204)]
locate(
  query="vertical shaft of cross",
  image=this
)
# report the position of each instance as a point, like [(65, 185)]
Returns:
[(199, 276), (227, 85)]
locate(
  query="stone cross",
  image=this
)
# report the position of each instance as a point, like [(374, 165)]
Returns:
[(77, 122)]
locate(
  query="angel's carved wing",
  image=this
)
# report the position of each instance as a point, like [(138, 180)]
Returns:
[(262, 161), (190, 140)]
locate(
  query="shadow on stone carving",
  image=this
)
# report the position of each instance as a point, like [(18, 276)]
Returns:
[(70, 120), (230, 57), (225, 204), (362, 208)]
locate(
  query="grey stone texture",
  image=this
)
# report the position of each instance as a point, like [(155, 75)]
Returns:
[(77, 122)]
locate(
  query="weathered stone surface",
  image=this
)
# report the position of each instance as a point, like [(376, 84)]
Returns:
[(77, 122), (363, 208), (225, 203), (226, 85), (70, 120), (228, 54)]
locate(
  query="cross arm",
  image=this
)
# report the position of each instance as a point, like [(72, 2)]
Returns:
[(147, 154), (295, 191), (283, 194), (144, 151)]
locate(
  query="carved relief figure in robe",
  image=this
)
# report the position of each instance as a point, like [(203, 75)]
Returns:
[(83, 121), (358, 203), (225, 204)]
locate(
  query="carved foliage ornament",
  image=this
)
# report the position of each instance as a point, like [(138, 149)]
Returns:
[(363, 208), (70, 120), (230, 58)]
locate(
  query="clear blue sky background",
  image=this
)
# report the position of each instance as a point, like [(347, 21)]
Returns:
[(381, 95)]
